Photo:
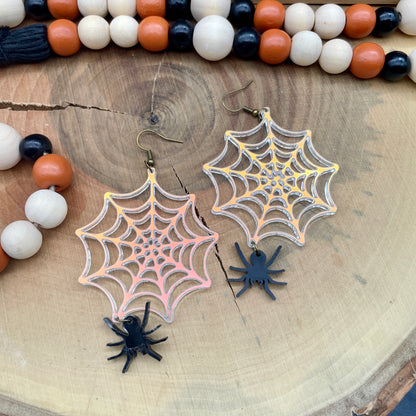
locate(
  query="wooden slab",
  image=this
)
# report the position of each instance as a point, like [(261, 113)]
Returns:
[(336, 334)]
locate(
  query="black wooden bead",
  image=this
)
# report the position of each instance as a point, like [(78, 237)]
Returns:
[(246, 43), (241, 13), (34, 146), (396, 66), (387, 20), (180, 35), (178, 9), (37, 9)]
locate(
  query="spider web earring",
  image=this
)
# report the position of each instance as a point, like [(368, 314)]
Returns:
[(155, 249), (276, 184)]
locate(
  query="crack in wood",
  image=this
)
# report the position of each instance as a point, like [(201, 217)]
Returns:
[(181, 183), (12, 106), (217, 252), (217, 255)]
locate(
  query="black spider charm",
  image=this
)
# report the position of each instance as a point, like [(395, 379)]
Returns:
[(134, 338), (257, 271)]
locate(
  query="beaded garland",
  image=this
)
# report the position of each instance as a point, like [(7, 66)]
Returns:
[(267, 30), (45, 208)]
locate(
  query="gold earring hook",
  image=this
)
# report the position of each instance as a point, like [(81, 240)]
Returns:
[(252, 111), (150, 163)]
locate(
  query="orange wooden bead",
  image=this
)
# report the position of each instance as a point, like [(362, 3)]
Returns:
[(63, 37), (360, 21), (147, 8), (367, 60), (63, 9), (52, 170), (153, 33), (4, 259), (274, 46), (269, 14)]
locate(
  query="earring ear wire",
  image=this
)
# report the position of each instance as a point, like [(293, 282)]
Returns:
[(254, 112), (150, 162)]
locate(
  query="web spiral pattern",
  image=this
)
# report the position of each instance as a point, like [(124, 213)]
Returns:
[(155, 245), (279, 184)]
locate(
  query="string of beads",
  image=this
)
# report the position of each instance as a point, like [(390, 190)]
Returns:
[(268, 30), (45, 208)]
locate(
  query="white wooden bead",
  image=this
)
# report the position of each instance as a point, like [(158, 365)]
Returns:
[(123, 31), (46, 208), (407, 8), (93, 7), (412, 73), (336, 56), (122, 8), (329, 21), (213, 37), (306, 48), (9, 146), (298, 17), (12, 12), (202, 8), (94, 32), (21, 240)]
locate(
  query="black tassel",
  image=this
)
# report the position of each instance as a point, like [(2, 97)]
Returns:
[(25, 45)]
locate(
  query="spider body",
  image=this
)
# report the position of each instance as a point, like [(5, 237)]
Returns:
[(257, 271), (135, 338)]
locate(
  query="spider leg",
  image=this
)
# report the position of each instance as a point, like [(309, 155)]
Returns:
[(266, 288), (114, 344), (243, 289), (273, 258), (237, 280), (116, 356), (238, 269), (153, 353), (276, 271), (152, 330), (152, 342), (126, 365), (240, 253), (145, 316), (275, 282), (114, 328)]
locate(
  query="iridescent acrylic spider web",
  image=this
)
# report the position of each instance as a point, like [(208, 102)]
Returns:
[(151, 240), (283, 185)]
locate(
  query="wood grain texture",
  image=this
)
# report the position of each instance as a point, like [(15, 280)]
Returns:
[(340, 330)]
